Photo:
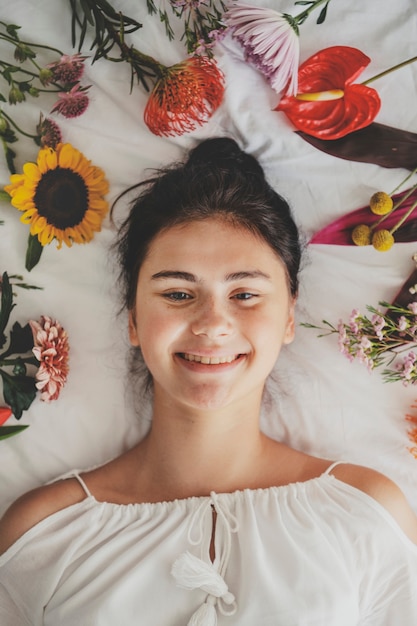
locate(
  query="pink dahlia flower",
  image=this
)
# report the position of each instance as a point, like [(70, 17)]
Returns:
[(270, 40), (71, 103), (51, 350)]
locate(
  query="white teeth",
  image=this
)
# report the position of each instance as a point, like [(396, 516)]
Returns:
[(206, 360)]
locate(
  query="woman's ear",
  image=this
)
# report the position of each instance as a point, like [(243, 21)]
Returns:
[(290, 330), (133, 335)]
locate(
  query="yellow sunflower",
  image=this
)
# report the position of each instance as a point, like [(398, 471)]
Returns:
[(61, 196)]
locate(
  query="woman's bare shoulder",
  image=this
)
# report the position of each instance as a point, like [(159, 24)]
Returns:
[(36, 505), (382, 489)]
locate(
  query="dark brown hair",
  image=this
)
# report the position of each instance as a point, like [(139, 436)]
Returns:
[(218, 179)]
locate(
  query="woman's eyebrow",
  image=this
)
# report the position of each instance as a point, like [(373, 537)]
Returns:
[(175, 274), (247, 274), (181, 275)]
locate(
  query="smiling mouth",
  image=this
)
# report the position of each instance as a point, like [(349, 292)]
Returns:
[(209, 360)]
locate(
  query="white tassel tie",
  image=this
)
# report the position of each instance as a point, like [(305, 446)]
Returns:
[(191, 573)]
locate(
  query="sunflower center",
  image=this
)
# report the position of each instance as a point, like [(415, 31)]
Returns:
[(61, 197)]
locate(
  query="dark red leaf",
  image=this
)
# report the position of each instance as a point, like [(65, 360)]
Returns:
[(379, 144)]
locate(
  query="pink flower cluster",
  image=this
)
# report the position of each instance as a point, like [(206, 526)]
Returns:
[(406, 367), (73, 99), (51, 350), (381, 339), (353, 343)]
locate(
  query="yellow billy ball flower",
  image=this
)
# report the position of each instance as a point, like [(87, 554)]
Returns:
[(382, 240), (381, 203), (361, 235)]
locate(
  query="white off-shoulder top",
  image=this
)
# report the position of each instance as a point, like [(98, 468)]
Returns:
[(314, 553)]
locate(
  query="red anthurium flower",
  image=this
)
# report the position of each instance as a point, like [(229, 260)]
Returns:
[(328, 105), (5, 413)]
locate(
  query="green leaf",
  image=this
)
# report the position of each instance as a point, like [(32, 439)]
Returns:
[(6, 306), (12, 30), (87, 11), (19, 392), (323, 14), (10, 156), (21, 340), (33, 252), (9, 431), (4, 196)]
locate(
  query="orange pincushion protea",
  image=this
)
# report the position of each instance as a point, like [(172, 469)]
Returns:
[(186, 95)]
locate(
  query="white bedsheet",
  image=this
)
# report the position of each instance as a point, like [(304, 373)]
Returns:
[(323, 404)]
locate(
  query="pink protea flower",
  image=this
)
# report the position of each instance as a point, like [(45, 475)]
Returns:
[(270, 40), (72, 103), (51, 350), (68, 69)]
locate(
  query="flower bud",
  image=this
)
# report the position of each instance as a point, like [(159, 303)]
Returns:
[(4, 125), (45, 76), (23, 52), (19, 369), (15, 95)]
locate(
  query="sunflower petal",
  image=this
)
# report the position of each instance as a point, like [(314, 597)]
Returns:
[(31, 171)]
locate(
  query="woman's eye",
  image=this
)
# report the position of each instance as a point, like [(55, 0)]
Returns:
[(177, 296), (245, 295)]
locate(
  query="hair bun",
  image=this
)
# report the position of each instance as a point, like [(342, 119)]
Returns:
[(224, 152)]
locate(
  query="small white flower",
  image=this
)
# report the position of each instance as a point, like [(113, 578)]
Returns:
[(271, 43)]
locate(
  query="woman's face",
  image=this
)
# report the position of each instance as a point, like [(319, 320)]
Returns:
[(212, 312)]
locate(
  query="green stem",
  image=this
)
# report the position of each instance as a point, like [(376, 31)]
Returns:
[(9, 362), (304, 14), (28, 44), (32, 74), (403, 181), (13, 123), (147, 61), (391, 69), (404, 217)]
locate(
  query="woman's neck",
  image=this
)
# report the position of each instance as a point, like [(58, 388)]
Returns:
[(195, 452)]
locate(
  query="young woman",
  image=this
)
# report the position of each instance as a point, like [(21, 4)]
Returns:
[(207, 521)]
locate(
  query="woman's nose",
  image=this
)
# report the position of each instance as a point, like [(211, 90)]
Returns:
[(212, 319)]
